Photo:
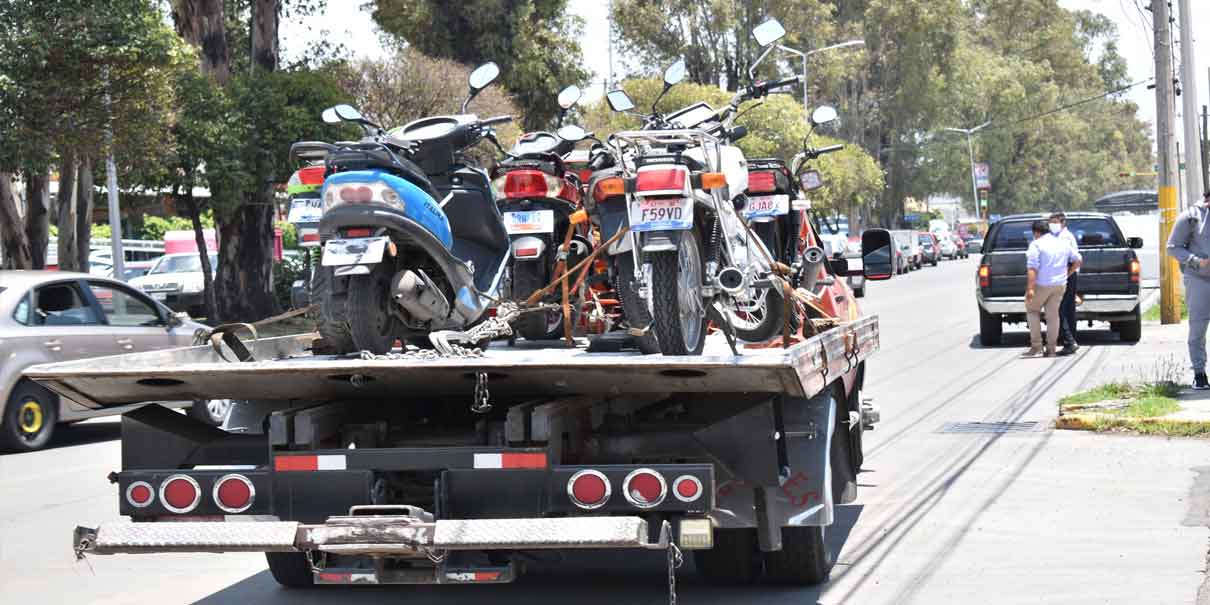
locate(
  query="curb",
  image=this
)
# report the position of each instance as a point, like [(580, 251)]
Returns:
[(1101, 422)]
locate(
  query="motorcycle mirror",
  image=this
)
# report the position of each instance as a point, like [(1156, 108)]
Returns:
[(483, 75), (329, 116), (572, 133), (768, 32), (810, 180), (675, 73), (738, 133), (347, 113), (823, 114), (569, 96), (619, 101)]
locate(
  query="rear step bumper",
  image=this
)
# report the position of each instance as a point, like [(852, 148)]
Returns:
[(1094, 304), (393, 535)]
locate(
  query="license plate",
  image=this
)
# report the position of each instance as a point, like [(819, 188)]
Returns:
[(535, 221), (305, 210), (159, 295), (661, 213), (767, 205), (358, 251)]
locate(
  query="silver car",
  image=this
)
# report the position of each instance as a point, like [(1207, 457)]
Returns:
[(50, 316)]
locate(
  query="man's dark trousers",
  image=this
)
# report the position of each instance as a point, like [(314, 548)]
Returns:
[(1067, 310)]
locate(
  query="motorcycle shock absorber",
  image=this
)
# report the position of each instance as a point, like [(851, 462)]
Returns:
[(714, 244)]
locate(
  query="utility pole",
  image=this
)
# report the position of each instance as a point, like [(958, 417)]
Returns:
[(1165, 120), (970, 148), (1194, 186), (1205, 151), (111, 183)]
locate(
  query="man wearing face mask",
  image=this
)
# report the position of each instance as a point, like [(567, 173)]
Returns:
[(1067, 310), (1189, 244)]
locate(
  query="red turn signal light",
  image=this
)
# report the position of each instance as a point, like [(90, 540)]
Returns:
[(588, 489), (234, 493), (985, 279), (1135, 269), (140, 494), (644, 488), (180, 494)]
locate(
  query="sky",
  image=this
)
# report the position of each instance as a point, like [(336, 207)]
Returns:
[(345, 23)]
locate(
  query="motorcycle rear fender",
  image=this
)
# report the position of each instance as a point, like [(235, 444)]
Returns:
[(418, 206), (661, 241), (402, 229), (525, 242)]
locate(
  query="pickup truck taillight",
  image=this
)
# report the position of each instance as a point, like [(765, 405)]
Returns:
[(985, 277), (1135, 269)]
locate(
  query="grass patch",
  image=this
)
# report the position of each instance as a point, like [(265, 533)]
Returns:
[(1153, 314), (1140, 426), (1105, 392), (1151, 407)]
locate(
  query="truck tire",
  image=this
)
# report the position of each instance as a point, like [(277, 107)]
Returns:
[(290, 569), (29, 417), (1131, 331), (676, 276), (333, 314), (991, 329), (211, 411), (638, 315), (370, 320), (734, 560), (527, 279)]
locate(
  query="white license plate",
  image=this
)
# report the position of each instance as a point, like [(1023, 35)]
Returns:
[(358, 251), (661, 213), (159, 295), (767, 205), (535, 221), (305, 210)]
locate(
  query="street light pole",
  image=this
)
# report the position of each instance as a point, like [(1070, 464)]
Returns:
[(970, 148), (804, 55)]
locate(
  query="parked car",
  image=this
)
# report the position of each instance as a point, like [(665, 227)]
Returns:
[(1109, 277), (909, 244), (49, 316), (135, 269), (930, 248), (176, 280), (949, 247), (975, 245)]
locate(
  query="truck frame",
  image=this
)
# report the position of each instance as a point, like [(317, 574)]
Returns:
[(417, 468)]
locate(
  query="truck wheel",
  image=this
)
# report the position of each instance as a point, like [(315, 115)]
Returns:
[(370, 320), (29, 417), (1131, 331), (548, 325), (804, 558), (290, 569), (991, 330), (735, 558), (676, 292), (638, 315), (333, 314), (210, 411)]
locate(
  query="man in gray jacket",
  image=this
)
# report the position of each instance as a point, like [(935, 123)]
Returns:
[(1189, 244)]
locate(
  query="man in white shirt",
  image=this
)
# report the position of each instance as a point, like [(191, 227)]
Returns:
[(1067, 310), (1049, 261)]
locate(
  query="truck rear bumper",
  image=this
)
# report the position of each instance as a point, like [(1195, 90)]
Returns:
[(1095, 305), (398, 536)]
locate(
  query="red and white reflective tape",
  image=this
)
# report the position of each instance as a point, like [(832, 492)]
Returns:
[(513, 460), (472, 576), (344, 577), (330, 462)]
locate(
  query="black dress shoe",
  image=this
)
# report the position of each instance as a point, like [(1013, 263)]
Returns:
[(1200, 383), (1068, 350)]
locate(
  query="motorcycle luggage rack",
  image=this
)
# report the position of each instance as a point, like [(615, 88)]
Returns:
[(665, 138)]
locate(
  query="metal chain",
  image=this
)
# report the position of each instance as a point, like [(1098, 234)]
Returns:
[(675, 560), (482, 403)]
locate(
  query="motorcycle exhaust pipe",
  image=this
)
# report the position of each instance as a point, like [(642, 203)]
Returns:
[(731, 281), (812, 259)]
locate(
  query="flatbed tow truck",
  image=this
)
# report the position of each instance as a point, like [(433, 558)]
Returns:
[(419, 468)]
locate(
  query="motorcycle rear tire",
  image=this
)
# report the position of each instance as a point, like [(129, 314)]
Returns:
[(638, 315), (671, 285), (333, 314), (370, 320), (771, 324), (528, 277)]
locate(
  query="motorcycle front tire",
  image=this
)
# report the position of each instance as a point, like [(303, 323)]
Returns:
[(676, 281), (771, 324), (369, 301), (638, 315)]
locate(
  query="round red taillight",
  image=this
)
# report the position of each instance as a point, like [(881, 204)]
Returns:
[(644, 488), (588, 489), (180, 493), (139, 494), (234, 493), (687, 488)]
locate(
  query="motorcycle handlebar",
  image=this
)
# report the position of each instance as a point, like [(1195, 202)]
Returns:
[(792, 80), (497, 120), (828, 149)]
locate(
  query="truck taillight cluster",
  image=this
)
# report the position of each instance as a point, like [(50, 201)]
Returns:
[(1135, 269), (985, 279), (181, 494), (642, 488)]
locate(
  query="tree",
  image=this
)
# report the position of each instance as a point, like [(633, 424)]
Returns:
[(533, 41), (14, 252)]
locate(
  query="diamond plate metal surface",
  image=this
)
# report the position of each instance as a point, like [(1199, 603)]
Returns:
[(126, 537), (582, 532)]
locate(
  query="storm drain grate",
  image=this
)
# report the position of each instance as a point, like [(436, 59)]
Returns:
[(990, 427)]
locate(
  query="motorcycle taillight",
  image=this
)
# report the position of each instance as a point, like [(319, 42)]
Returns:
[(519, 184), (662, 180), (762, 182)]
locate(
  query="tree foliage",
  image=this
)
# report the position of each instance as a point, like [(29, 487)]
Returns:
[(533, 41)]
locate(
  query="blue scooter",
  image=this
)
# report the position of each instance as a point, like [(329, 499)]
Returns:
[(411, 234)]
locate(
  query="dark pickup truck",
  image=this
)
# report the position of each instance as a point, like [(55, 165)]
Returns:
[(1109, 278)]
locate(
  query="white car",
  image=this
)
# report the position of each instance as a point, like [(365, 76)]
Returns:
[(176, 280), (949, 249)]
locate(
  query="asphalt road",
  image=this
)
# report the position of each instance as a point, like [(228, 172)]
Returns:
[(949, 510)]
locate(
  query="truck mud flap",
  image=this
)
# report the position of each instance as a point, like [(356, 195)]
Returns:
[(400, 536)]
